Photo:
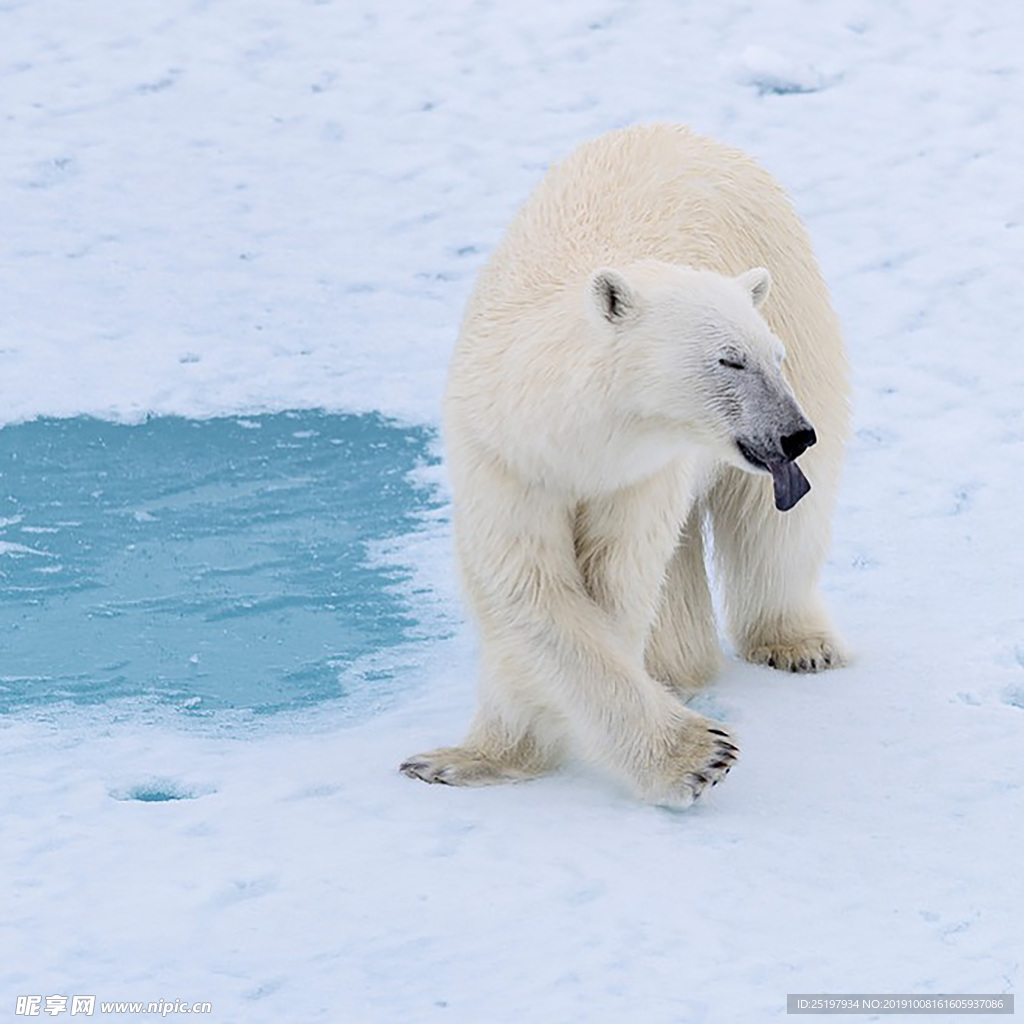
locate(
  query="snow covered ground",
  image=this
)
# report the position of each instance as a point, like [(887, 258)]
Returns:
[(244, 207)]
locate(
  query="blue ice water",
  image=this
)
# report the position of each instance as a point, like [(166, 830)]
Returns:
[(210, 564)]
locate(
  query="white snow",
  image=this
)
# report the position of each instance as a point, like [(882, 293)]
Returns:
[(248, 205), (769, 71)]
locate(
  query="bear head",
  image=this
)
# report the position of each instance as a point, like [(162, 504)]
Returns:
[(691, 351)]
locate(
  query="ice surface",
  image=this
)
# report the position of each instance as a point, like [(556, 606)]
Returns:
[(223, 209), (214, 563)]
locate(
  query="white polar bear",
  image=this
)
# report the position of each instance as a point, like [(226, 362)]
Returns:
[(626, 369)]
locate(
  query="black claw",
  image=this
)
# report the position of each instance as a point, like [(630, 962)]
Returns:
[(717, 732), (728, 745), (719, 764)]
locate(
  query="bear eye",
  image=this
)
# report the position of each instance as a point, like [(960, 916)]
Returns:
[(733, 364)]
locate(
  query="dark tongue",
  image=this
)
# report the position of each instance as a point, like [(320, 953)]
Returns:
[(790, 484)]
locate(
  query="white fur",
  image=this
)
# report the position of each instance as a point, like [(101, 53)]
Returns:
[(655, 298)]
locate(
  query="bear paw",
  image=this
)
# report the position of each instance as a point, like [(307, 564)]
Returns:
[(815, 654), (460, 766), (701, 755)]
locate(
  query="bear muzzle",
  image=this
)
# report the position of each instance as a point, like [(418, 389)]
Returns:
[(788, 480)]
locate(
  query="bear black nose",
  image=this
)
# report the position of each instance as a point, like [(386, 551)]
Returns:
[(794, 445)]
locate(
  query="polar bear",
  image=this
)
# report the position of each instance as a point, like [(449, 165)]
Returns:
[(650, 348)]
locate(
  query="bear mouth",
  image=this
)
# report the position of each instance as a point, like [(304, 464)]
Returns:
[(788, 480)]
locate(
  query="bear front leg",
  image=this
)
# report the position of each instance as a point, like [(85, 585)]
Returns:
[(770, 563), (648, 574), (517, 548)]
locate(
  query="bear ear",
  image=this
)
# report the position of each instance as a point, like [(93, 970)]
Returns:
[(612, 296), (758, 282)]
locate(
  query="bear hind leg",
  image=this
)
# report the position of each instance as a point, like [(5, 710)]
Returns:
[(492, 754), (511, 738), (682, 649)]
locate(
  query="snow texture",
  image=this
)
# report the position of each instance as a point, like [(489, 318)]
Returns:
[(234, 208)]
